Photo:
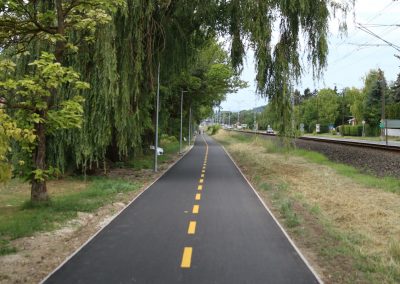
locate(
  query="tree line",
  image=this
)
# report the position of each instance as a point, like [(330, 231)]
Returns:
[(78, 77), (331, 107)]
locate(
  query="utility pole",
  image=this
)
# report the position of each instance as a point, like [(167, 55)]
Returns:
[(383, 114), (255, 120), (190, 121), (180, 134), (343, 108), (229, 119), (157, 110)]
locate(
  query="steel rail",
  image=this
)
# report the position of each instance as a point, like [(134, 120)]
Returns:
[(391, 148)]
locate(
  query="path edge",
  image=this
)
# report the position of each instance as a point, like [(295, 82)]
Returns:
[(114, 217)]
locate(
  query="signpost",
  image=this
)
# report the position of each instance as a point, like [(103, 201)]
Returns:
[(302, 128), (363, 123), (383, 127)]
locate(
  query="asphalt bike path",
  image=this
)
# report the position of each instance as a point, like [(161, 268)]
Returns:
[(201, 222)]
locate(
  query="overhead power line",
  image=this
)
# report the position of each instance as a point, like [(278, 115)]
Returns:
[(366, 44), (368, 21), (368, 31), (381, 25)]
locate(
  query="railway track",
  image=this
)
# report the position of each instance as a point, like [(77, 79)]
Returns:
[(366, 144)]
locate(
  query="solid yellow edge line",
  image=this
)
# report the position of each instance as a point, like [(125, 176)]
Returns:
[(192, 228), (186, 257)]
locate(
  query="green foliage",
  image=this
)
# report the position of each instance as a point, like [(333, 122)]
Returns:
[(349, 130), (328, 103), (355, 99), (213, 129), (5, 248), (375, 87), (393, 111), (122, 43), (291, 218), (38, 20), (28, 103)]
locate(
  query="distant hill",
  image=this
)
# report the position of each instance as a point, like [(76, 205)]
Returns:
[(259, 109)]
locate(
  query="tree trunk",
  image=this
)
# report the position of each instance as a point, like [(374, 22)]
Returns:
[(39, 188)]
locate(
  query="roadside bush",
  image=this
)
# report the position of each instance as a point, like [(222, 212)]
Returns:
[(372, 131), (324, 128), (350, 130), (166, 140), (213, 129)]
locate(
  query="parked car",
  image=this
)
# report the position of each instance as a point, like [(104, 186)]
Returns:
[(270, 130)]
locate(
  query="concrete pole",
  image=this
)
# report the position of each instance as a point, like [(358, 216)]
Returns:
[(157, 111), (190, 125), (180, 132)]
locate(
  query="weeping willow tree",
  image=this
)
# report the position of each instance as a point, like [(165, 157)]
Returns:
[(117, 51)]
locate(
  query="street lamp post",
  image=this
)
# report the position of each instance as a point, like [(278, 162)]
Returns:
[(180, 134), (157, 111), (190, 121)]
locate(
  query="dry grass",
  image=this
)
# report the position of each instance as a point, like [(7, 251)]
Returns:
[(369, 215)]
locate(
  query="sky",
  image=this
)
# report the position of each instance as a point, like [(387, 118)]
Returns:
[(350, 57)]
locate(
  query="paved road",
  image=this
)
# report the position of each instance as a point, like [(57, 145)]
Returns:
[(200, 223)]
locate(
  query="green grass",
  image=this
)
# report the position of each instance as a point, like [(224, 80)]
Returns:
[(29, 218), (6, 248), (390, 184), (291, 218), (387, 183)]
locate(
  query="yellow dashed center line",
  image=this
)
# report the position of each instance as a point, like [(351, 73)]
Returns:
[(192, 228), (187, 251), (187, 257), (198, 196)]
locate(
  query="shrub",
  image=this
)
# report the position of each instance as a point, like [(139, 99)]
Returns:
[(350, 130), (213, 129), (166, 140)]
